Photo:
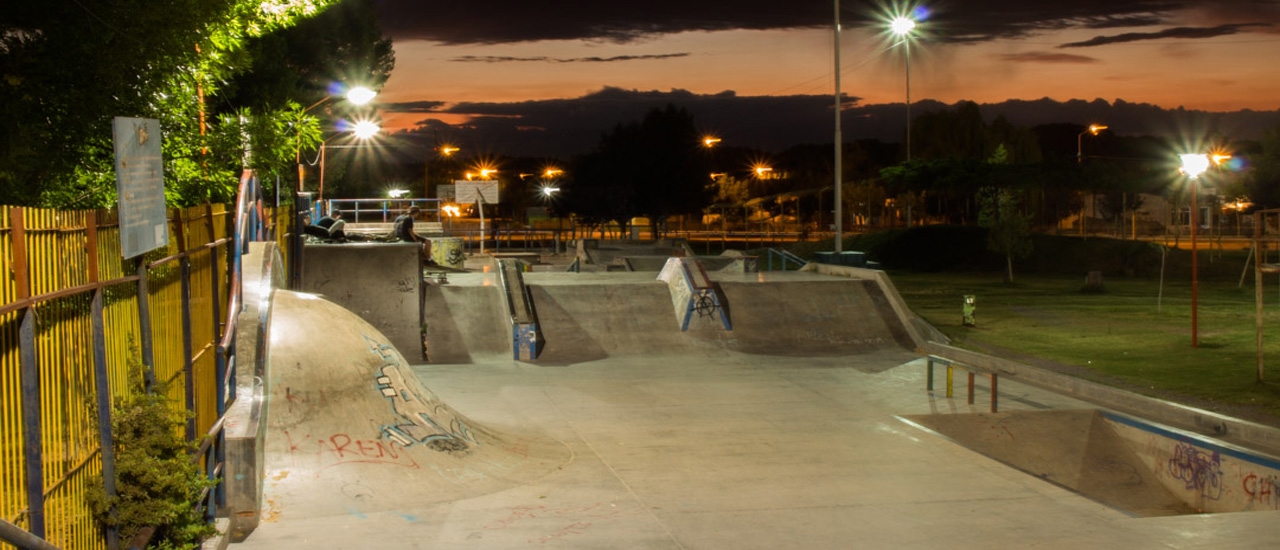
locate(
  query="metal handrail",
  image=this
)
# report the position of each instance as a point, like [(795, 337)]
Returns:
[(784, 257)]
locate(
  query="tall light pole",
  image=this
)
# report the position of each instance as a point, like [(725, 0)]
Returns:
[(1193, 165), (446, 150), (362, 131), (357, 96), (902, 27), (839, 168), (1093, 129)]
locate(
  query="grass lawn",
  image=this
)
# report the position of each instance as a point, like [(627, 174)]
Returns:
[(1125, 335)]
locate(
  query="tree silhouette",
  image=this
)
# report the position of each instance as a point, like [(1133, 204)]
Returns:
[(651, 168)]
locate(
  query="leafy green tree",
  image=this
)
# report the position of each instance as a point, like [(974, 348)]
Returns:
[(67, 68), (1001, 213)]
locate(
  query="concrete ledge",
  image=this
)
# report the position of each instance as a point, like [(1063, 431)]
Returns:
[(261, 272), (1240, 432)]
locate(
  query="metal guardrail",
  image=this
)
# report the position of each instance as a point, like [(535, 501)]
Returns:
[(784, 257), (174, 275)]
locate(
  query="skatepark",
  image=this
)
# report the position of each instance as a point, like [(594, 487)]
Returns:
[(685, 407)]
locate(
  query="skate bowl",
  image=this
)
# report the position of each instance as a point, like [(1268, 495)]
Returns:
[(351, 431), (1118, 460)]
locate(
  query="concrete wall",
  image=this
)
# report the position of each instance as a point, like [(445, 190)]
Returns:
[(1208, 475), (380, 282), (262, 271)]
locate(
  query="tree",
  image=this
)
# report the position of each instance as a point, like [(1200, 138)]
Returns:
[(1001, 212), (1263, 183), (649, 168), (69, 67)]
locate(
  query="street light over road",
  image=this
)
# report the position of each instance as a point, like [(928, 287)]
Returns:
[(1093, 129)]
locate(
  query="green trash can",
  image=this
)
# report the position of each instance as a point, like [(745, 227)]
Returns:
[(970, 304)]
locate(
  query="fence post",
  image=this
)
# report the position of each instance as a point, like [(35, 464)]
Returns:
[(29, 381), (188, 370), (144, 324), (32, 430), (104, 406)]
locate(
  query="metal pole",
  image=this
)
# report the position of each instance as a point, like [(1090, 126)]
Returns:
[(906, 44), (1257, 287), (839, 149), (1195, 289)]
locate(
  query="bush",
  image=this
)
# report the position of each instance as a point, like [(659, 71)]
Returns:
[(157, 484)]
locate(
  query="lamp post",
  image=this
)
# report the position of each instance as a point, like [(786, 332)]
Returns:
[(1093, 129), (839, 152), (901, 26), (357, 96), (445, 150), (1193, 165), (362, 131)]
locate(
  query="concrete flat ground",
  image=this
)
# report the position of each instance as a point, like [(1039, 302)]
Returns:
[(722, 449)]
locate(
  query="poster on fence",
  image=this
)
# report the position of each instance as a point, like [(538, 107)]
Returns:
[(139, 185)]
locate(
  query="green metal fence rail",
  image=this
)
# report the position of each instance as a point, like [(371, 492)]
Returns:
[(73, 313)]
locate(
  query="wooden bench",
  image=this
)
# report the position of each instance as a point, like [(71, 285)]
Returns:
[(993, 376)]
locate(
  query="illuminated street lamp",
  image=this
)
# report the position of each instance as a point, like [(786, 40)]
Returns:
[(357, 96), (710, 141), (1193, 165), (1093, 129), (445, 150), (902, 27), (761, 170), (362, 131)]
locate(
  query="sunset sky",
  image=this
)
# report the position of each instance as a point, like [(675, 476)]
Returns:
[(459, 60)]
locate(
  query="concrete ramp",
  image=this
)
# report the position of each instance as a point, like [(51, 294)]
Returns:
[(351, 431), (1077, 449), (802, 318), (465, 323), (381, 282)]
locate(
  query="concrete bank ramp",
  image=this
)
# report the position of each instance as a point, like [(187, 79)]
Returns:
[(465, 323), (1077, 449), (351, 431), (803, 318)]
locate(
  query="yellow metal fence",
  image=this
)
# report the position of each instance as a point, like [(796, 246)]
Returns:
[(55, 264)]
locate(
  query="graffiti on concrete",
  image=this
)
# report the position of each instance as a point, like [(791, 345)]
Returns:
[(419, 420), (1263, 491), (1200, 471), (340, 448)]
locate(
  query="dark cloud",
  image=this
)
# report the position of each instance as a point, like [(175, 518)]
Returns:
[(561, 128), (1047, 57), (545, 59), (414, 107), (954, 21), (1176, 32)]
